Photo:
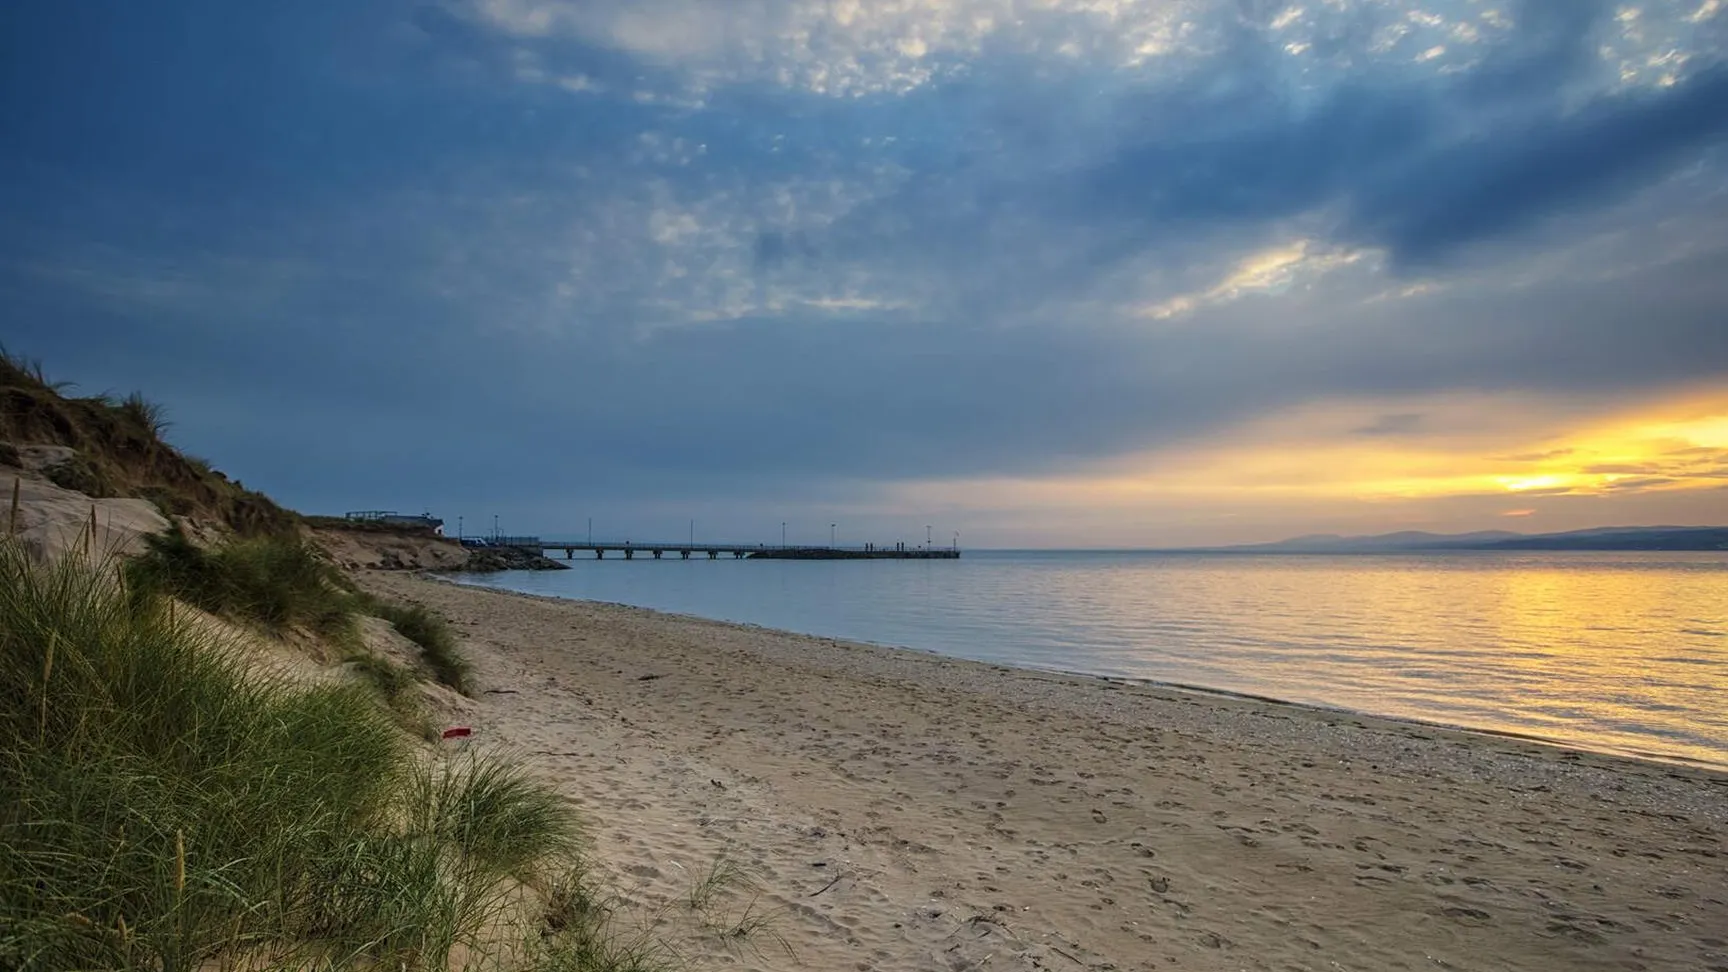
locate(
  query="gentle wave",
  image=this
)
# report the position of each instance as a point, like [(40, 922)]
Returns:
[(1619, 652)]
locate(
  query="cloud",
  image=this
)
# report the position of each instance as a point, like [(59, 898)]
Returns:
[(1268, 271), (1399, 424), (1417, 168), (1539, 456), (848, 48), (1476, 190), (651, 252), (1165, 189), (1647, 482)]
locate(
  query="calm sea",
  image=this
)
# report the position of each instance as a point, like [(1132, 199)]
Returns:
[(1620, 652)]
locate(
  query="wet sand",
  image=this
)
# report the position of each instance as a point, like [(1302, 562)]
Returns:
[(896, 810)]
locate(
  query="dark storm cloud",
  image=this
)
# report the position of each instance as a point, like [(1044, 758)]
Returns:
[(1419, 166), (1555, 42), (1505, 180)]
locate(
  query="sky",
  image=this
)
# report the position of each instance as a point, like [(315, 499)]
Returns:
[(1030, 272)]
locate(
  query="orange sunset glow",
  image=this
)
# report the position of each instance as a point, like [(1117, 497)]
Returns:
[(1464, 464)]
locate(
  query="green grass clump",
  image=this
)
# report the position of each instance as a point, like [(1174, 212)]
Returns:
[(436, 639), (274, 581), (163, 808), (577, 935), (599, 951), (499, 820), (398, 689)]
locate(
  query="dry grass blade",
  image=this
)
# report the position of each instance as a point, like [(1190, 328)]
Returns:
[(724, 874)]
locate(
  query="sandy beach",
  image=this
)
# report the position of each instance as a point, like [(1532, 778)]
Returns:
[(900, 811)]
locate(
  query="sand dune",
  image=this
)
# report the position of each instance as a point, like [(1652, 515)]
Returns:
[(901, 811)]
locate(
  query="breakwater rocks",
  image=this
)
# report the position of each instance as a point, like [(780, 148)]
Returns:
[(389, 550), (374, 549), (488, 560)]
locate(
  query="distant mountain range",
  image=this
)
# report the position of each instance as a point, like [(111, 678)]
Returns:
[(1602, 538)]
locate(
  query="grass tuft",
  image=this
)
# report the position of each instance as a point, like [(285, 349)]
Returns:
[(277, 582), (148, 416), (435, 637), (498, 818), (724, 874), (30, 371), (601, 951), (750, 926), (754, 926), (577, 934), (398, 689)]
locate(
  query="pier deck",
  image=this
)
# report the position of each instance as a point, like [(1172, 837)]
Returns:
[(714, 551)]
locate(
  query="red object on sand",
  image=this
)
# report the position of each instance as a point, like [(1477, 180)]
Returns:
[(455, 732)]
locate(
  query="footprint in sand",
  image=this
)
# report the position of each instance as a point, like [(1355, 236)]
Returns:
[(1467, 916)]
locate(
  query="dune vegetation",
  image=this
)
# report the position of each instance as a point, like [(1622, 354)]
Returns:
[(428, 630), (277, 582), (163, 807), (282, 582)]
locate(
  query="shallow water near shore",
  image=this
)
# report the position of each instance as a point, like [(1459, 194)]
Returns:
[(1617, 652)]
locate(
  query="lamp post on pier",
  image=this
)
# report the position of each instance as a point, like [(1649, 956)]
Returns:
[(830, 534), (926, 536), (782, 533)]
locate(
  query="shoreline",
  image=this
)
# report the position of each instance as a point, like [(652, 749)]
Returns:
[(903, 810), (1659, 759)]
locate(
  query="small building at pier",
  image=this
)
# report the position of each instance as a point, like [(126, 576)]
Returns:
[(393, 518)]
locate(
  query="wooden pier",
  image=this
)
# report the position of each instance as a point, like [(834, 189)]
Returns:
[(714, 551)]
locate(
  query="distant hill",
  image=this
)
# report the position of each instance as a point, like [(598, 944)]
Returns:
[(1404, 540), (1601, 538), (1623, 538)]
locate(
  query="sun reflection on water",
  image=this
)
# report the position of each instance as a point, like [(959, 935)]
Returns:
[(1618, 652)]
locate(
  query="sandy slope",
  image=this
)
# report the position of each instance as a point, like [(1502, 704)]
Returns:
[(901, 811), (52, 520), (381, 550)]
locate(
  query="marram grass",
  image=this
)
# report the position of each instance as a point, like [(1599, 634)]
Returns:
[(161, 807), (275, 582), (432, 633), (278, 582)]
